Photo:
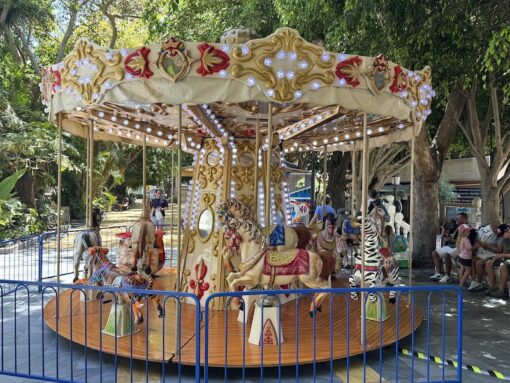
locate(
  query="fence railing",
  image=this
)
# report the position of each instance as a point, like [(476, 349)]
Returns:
[(56, 336), (34, 258)]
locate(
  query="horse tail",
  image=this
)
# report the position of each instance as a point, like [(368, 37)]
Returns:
[(142, 241)]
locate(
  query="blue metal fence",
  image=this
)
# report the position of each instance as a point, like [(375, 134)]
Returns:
[(30, 349), (33, 258)]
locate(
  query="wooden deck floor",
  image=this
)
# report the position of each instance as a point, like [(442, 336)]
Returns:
[(156, 339)]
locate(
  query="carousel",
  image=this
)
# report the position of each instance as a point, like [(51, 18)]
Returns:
[(239, 107)]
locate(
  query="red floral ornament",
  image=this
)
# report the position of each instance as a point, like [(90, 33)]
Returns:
[(137, 63), (56, 80), (399, 82), (349, 70), (211, 60), (198, 285)]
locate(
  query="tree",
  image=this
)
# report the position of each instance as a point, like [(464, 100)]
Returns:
[(450, 36), (384, 162)]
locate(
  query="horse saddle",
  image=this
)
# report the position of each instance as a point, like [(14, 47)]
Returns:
[(325, 244), (291, 262), (349, 228)]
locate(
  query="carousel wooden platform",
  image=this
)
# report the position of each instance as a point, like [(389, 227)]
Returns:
[(155, 340)]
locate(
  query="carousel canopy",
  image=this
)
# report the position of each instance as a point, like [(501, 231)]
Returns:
[(318, 97)]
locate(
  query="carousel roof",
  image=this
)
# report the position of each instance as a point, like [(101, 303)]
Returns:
[(318, 97)]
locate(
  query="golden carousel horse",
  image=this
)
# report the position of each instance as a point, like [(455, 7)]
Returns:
[(262, 266)]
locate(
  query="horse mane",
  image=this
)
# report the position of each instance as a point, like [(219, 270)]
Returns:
[(242, 211)]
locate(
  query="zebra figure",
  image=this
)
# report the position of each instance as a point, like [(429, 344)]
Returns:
[(390, 274), (372, 261)]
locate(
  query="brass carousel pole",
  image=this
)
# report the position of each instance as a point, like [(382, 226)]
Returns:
[(179, 234), (172, 181), (267, 199), (144, 174), (411, 208), (179, 213), (90, 198), (353, 180), (256, 184), (59, 190), (87, 185), (364, 194), (324, 186)]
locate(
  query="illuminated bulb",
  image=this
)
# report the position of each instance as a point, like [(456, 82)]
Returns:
[(280, 73), (325, 56), (325, 140), (314, 143), (189, 139), (401, 126), (289, 74), (222, 73), (369, 131), (160, 133), (315, 85), (250, 81), (268, 61), (114, 118), (303, 64), (341, 82), (148, 130), (298, 94), (336, 138), (101, 114), (245, 50), (292, 55), (281, 55), (381, 129), (347, 136), (225, 48), (125, 122), (270, 92), (341, 57), (137, 126)]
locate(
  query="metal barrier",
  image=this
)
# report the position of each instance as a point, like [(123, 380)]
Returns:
[(34, 258), (57, 337), (317, 341), (76, 349)]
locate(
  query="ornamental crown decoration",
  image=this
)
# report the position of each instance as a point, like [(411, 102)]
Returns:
[(282, 68)]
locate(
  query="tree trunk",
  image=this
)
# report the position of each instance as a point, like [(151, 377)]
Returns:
[(25, 189), (426, 221), (490, 201), (68, 33), (11, 44), (337, 170)]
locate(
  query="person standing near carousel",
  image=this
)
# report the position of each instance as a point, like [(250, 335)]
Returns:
[(158, 207)]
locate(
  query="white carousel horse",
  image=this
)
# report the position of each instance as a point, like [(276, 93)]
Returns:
[(373, 258), (297, 237), (106, 273), (259, 266), (84, 240)]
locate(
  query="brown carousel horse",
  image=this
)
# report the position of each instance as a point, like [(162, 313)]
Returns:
[(261, 266), (105, 273), (325, 240)]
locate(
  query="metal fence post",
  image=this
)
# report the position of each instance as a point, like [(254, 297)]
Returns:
[(40, 241)]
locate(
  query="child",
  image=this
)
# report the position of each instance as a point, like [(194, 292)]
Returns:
[(465, 251)]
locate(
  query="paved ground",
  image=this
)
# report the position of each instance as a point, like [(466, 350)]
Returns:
[(486, 344)]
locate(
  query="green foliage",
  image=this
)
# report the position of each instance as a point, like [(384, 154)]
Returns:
[(105, 201), (497, 59), (446, 191), (201, 20)]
